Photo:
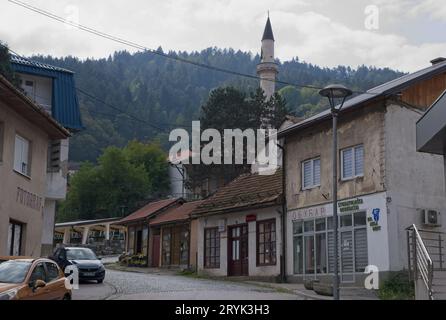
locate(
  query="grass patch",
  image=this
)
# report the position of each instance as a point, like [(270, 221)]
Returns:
[(398, 287)]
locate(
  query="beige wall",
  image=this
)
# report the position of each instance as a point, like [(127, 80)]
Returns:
[(363, 127), (10, 207)]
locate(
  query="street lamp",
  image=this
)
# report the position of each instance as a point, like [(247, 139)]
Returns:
[(334, 93)]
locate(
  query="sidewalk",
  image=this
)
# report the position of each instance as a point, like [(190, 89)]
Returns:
[(352, 293)]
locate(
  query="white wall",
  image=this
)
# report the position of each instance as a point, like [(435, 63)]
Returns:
[(238, 218), (414, 180)]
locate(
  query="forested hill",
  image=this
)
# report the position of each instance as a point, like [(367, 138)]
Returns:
[(164, 93)]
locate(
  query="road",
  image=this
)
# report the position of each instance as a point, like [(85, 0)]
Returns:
[(140, 286)]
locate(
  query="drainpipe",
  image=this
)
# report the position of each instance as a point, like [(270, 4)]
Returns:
[(283, 216)]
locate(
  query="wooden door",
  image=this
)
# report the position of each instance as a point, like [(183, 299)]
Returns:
[(238, 250), (156, 251)]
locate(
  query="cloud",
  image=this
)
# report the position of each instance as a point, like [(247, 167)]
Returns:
[(299, 27)]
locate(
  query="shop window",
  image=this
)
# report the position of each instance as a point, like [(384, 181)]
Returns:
[(211, 248), (311, 173), (22, 155), (346, 220), (15, 235), (352, 162), (266, 242), (360, 218)]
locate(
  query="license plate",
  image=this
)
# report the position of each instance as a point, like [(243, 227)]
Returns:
[(89, 274)]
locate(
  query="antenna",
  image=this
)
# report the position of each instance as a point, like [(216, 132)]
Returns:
[(268, 13)]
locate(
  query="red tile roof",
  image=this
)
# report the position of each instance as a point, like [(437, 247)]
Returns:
[(179, 213), (246, 191), (149, 209)]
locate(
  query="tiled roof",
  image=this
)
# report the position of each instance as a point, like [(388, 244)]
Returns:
[(378, 92), (149, 209), (179, 213), (246, 191)]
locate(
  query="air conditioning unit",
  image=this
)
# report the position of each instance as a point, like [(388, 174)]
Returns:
[(431, 218)]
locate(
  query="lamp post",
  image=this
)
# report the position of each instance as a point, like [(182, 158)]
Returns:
[(335, 92)]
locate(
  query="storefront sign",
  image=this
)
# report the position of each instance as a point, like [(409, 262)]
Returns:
[(350, 205), (29, 199), (251, 217), (374, 219), (314, 212)]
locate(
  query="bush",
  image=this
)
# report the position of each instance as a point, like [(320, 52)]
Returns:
[(398, 287)]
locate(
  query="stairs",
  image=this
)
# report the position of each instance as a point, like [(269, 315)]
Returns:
[(439, 285)]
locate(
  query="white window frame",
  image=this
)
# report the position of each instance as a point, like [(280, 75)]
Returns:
[(353, 149), (312, 185), (19, 170)]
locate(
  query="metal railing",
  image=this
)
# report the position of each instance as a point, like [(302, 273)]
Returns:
[(420, 263)]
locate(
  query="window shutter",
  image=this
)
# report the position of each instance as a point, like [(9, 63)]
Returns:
[(347, 163), (316, 171), (361, 258), (18, 154), (359, 160), (25, 157), (54, 156), (307, 174)]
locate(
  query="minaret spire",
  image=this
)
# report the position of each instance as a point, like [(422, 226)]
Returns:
[(267, 69)]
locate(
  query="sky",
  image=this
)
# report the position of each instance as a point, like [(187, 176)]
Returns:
[(400, 34)]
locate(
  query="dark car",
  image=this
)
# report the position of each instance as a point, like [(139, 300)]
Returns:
[(88, 265)]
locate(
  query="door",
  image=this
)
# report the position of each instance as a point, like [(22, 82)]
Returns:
[(139, 241), (238, 250), (156, 251), (346, 246)]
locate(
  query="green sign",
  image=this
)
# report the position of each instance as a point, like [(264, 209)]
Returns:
[(350, 205)]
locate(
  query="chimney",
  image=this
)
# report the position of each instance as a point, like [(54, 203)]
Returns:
[(437, 60)]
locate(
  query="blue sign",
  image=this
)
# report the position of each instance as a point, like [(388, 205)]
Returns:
[(375, 214)]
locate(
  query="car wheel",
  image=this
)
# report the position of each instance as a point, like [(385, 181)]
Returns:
[(100, 280), (66, 297)]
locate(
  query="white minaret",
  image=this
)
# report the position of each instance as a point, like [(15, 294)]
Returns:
[(267, 69)]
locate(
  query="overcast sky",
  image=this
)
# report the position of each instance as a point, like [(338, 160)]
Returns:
[(324, 32)]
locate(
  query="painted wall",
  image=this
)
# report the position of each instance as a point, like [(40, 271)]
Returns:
[(414, 180), (234, 219), (363, 127), (11, 204)]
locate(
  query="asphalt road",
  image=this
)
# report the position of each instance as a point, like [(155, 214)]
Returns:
[(141, 286)]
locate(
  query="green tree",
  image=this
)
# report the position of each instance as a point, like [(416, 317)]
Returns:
[(5, 64), (124, 178)]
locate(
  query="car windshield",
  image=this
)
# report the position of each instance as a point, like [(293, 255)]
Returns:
[(80, 254), (14, 271)]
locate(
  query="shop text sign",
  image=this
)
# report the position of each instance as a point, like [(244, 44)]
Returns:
[(29, 199), (314, 212)]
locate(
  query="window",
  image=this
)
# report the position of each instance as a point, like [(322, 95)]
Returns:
[(166, 247), (352, 162), (211, 248), (15, 234), (311, 173), (52, 271), (22, 155), (131, 247), (38, 273), (266, 242)]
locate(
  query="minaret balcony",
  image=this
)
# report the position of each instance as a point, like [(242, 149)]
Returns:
[(267, 67)]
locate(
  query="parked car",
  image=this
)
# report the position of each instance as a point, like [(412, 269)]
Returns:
[(32, 279), (7, 258), (89, 266)]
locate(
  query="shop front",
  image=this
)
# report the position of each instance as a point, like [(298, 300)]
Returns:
[(362, 238)]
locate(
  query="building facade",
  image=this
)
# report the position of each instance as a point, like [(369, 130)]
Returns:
[(384, 185), (53, 89), (26, 130), (239, 228)]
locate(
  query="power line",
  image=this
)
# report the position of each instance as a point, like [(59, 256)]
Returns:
[(91, 96), (146, 49)]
